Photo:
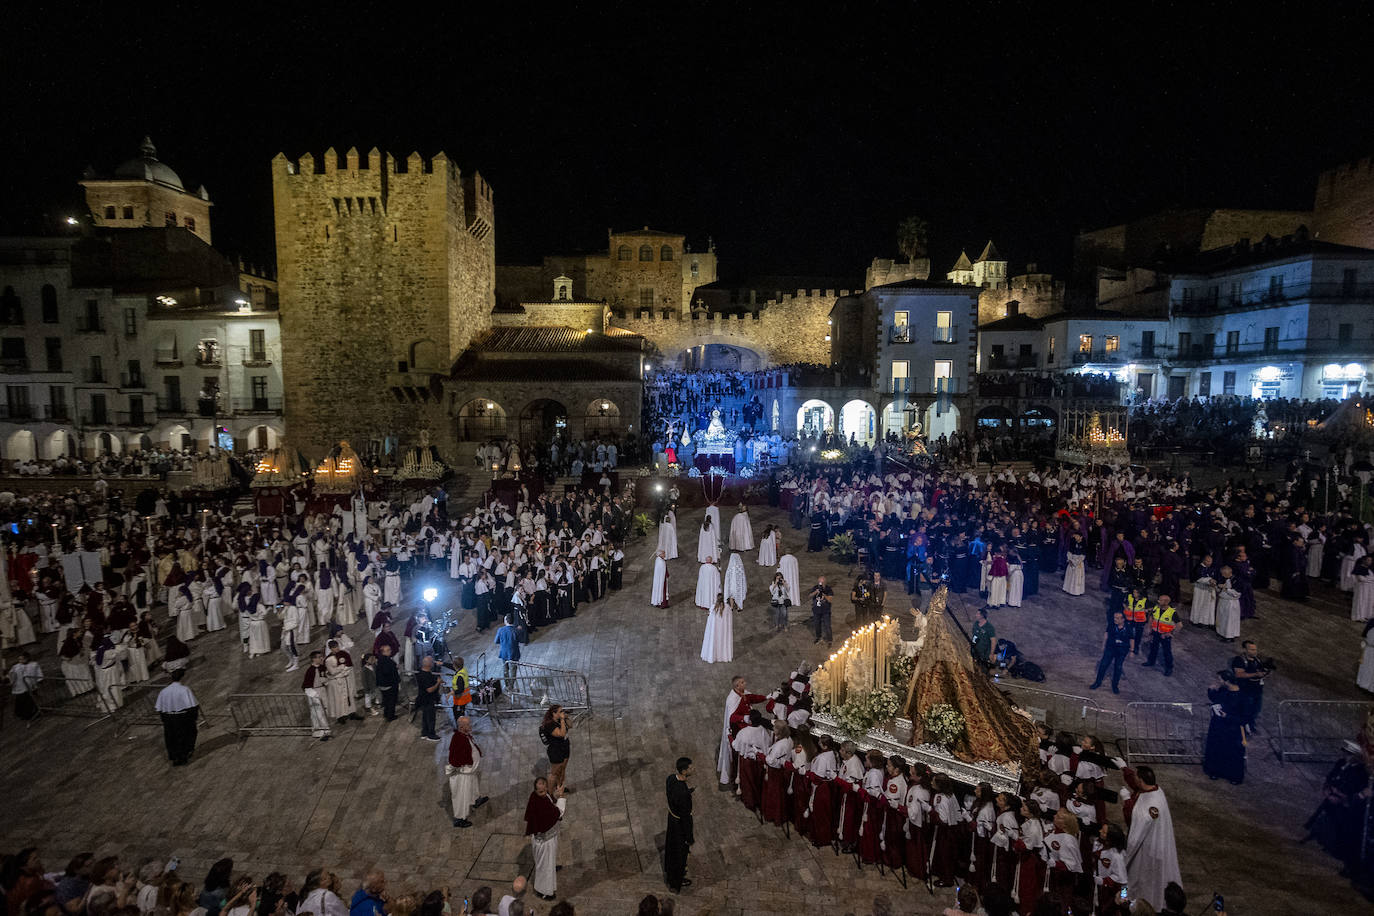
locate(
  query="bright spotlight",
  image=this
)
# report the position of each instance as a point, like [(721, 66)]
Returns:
[(71, 221), (430, 594), (658, 487)]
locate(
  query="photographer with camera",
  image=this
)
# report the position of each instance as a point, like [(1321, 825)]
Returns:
[(820, 596), (1250, 671), (553, 732)]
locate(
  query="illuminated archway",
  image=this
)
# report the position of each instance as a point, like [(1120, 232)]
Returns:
[(541, 420), (20, 446), (859, 420), (481, 419), (815, 417), (58, 445), (602, 418), (941, 420)]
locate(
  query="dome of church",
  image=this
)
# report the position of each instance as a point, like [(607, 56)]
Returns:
[(147, 167)]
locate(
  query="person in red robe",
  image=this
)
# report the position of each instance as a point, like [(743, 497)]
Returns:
[(918, 829), (849, 792), (751, 760), (818, 814), (776, 776), (1030, 878), (894, 818), (874, 809), (386, 638), (945, 815)]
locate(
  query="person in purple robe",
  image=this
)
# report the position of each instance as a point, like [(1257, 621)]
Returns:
[(1243, 581), (1118, 546)]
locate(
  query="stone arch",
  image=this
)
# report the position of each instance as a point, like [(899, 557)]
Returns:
[(815, 416), (541, 419), (20, 446), (138, 442), (176, 436), (263, 437), (713, 351), (995, 416), (424, 354), (481, 419), (941, 420), (61, 443), (104, 443), (859, 419), (602, 419), (1039, 416)]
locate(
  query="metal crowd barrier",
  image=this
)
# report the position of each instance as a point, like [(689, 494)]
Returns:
[(1317, 729), (527, 688), (1166, 732), (60, 696), (1067, 712), (274, 714)]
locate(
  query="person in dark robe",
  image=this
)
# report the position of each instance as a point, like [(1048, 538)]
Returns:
[(617, 576), (1244, 583), (1224, 755), (1337, 823), (958, 564), (816, 541), (679, 839), (1293, 568), (1172, 565)]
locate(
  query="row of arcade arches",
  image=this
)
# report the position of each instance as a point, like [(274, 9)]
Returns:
[(25, 445), (485, 418)]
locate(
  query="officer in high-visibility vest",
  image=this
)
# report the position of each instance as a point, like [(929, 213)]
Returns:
[(1136, 616), (1163, 623), (462, 688)]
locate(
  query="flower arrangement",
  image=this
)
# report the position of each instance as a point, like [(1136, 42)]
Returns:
[(901, 667), (943, 724), (694, 472), (867, 708), (643, 521)]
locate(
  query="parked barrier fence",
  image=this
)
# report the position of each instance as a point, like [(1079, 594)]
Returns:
[(1317, 729), (1067, 712), (60, 696), (1166, 732), (276, 714), (527, 688)]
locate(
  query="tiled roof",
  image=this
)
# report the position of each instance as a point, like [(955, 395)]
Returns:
[(539, 339), (646, 232), (525, 370), (963, 263), (990, 253)]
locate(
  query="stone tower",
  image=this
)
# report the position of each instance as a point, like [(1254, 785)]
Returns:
[(386, 270)]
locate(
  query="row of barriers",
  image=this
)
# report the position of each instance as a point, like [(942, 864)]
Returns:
[(1308, 730), (125, 705), (523, 689)]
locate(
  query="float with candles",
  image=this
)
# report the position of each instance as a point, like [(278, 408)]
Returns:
[(945, 712), (1094, 437), (278, 473)]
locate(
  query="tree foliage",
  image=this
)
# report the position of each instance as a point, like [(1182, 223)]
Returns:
[(913, 237)]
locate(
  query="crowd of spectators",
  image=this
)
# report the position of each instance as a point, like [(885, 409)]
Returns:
[(1215, 422), (156, 462)]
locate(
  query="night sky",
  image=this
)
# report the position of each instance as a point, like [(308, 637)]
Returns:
[(796, 135)]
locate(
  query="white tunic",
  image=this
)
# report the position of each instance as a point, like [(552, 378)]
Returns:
[(1228, 612), (1073, 575), (1151, 854), (463, 784), (1016, 581), (1361, 605), (718, 642), (546, 856), (667, 536), (735, 586), (659, 594), (788, 567), (708, 585), (768, 549), (741, 533), (1365, 677), (1204, 610), (708, 544)]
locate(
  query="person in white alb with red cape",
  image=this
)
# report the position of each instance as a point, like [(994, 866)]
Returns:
[(737, 704), (708, 584), (1151, 852)]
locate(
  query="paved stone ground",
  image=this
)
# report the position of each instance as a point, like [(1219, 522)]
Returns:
[(376, 793)]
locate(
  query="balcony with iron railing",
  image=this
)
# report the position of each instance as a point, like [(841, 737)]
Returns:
[(257, 405), (925, 386), (209, 360), (19, 412), (899, 334), (944, 335), (169, 358), (172, 406), (135, 382), (1290, 347), (15, 364), (98, 418), (1009, 361), (1274, 296)]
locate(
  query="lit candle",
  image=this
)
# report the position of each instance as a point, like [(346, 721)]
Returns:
[(54, 534), (78, 535)]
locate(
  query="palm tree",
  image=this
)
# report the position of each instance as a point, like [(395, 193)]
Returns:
[(913, 236)]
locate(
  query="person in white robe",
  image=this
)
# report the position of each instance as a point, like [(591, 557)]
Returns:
[(667, 535), (741, 531), (290, 624), (259, 635), (107, 664), (213, 596), (1204, 609), (787, 565), (1228, 607), (1362, 601), (135, 655), (713, 513), (718, 642), (1316, 545), (735, 586), (1074, 580), (708, 541), (1364, 678), (541, 826), (338, 693), (181, 609), (1151, 853), (1016, 582), (708, 585), (463, 779), (16, 629), (768, 548), (314, 687), (658, 597)]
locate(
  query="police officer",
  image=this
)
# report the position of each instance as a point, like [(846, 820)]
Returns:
[(1118, 643), (1163, 622), (1136, 616)]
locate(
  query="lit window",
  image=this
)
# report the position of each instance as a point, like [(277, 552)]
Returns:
[(1113, 343), (901, 370), (1085, 343)]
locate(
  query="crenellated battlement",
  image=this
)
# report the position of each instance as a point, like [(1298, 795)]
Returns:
[(1344, 179), (374, 162)]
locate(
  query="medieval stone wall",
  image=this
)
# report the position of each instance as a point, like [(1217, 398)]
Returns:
[(1036, 298), (386, 270), (1344, 206)]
